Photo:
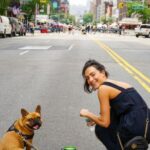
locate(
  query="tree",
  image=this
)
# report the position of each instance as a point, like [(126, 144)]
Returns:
[(87, 18), (142, 11), (110, 20), (71, 19), (4, 6), (103, 20), (31, 6)]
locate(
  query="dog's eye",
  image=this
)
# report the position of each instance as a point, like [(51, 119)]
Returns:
[(38, 118), (30, 119)]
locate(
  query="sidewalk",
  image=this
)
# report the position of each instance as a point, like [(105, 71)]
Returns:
[(129, 32)]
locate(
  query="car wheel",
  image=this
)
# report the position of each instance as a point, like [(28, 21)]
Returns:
[(10, 35), (137, 35), (4, 35), (14, 33)]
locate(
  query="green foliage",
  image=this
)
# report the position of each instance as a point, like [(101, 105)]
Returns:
[(71, 19), (30, 8), (3, 6), (110, 20), (87, 18), (142, 11), (103, 20)]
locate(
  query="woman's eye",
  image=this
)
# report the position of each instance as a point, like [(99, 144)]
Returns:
[(93, 74)]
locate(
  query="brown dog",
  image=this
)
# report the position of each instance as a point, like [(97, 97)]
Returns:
[(22, 131)]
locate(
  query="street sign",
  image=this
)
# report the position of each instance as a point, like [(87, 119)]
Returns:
[(137, 7), (43, 1), (55, 4), (121, 5)]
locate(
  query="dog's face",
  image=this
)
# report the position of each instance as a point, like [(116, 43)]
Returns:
[(31, 120)]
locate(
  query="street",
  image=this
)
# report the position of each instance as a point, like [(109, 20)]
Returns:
[(46, 69)]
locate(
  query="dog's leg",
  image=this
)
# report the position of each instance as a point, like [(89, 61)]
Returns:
[(28, 148)]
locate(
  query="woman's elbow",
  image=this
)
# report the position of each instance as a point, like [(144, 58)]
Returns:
[(106, 124)]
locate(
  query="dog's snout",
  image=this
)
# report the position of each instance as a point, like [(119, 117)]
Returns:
[(37, 121)]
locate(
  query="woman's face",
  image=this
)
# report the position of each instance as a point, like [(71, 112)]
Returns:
[(94, 77)]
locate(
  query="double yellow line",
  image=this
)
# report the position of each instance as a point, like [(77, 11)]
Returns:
[(140, 77)]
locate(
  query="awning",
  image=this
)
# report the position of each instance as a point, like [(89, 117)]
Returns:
[(130, 21)]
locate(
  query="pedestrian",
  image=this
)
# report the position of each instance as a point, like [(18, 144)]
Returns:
[(120, 30), (32, 28), (123, 112)]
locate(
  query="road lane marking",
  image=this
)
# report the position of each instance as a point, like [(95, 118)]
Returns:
[(70, 47), (128, 65), (139, 76), (132, 73), (24, 52), (35, 47)]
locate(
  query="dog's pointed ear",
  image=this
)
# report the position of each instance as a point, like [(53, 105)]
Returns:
[(38, 109), (24, 112)]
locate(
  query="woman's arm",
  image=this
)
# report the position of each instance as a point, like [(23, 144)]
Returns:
[(104, 118)]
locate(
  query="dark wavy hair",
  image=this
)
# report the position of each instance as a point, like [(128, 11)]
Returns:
[(96, 65)]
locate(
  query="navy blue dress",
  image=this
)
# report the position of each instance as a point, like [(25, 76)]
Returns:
[(128, 117)]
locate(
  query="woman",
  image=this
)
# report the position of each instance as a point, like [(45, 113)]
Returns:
[(122, 109)]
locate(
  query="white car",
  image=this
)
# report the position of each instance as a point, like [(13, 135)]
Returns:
[(5, 26), (143, 30)]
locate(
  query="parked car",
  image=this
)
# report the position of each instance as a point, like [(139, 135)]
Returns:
[(143, 30), (44, 29), (5, 27)]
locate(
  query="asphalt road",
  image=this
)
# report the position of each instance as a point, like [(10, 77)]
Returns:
[(46, 69)]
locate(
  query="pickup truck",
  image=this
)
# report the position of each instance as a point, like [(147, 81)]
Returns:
[(143, 30)]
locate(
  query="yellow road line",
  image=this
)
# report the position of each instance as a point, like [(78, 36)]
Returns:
[(140, 77), (131, 67)]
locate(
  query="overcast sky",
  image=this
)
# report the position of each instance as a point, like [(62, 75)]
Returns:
[(78, 2)]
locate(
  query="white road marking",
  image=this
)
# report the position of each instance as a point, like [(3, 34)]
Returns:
[(70, 47), (24, 52), (35, 47)]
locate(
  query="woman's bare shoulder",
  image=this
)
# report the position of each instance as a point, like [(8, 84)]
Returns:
[(113, 92), (120, 83)]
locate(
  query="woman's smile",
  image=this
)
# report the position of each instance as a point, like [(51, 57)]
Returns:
[(92, 76)]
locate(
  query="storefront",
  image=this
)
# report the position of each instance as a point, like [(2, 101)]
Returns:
[(129, 23)]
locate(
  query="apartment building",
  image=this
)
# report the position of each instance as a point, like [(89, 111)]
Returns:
[(101, 8), (64, 6)]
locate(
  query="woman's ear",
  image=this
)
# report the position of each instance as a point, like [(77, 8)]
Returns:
[(103, 72)]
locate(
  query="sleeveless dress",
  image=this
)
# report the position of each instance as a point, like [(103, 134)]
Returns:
[(128, 117)]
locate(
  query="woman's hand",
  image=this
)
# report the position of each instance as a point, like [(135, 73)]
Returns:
[(90, 123), (84, 112)]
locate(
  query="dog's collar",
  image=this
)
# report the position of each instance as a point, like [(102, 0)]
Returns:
[(25, 136)]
